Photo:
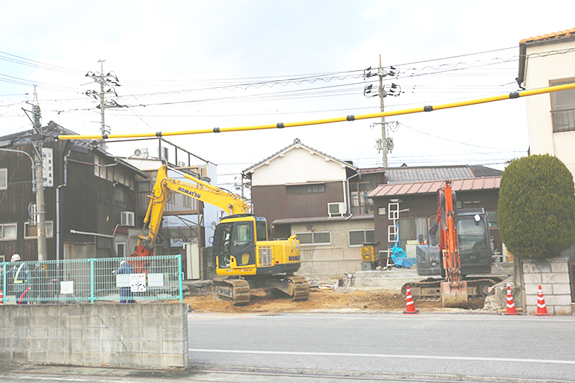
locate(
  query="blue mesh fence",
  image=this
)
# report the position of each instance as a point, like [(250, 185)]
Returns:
[(96, 279)]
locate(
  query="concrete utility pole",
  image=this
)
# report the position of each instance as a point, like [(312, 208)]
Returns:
[(102, 103), (39, 170), (104, 80), (380, 74)]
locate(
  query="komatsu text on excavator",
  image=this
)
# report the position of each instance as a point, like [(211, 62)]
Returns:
[(244, 255)]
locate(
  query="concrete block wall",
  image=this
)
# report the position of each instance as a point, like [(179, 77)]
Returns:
[(553, 276), (113, 335), (329, 267)]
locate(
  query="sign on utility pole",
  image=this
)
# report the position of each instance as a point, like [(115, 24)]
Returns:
[(39, 170)]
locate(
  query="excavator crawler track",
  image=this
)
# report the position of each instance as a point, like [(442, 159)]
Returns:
[(235, 290), (300, 287)]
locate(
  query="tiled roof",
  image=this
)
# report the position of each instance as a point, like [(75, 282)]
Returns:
[(297, 143), (389, 190), (551, 36), (427, 173)]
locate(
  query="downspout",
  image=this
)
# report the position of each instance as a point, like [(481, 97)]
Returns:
[(346, 193), (58, 222)]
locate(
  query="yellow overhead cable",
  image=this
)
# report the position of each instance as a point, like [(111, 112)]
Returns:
[(280, 125)]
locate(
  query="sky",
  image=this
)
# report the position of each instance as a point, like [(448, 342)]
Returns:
[(186, 65)]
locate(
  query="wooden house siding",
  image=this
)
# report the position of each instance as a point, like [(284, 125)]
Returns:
[(273, 202), (87, 202)]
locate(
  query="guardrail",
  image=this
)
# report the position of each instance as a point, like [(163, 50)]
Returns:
[(126, 280)]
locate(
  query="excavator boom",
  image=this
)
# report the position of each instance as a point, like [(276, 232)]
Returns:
[(454, 289)]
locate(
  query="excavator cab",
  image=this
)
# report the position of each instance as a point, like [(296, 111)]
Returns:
[(234, 244)]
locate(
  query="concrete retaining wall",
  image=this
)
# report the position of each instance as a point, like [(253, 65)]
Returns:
[(113, 335), (553, 276)]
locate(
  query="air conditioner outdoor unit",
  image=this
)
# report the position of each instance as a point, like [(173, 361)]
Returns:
[(182, 164), (336, 209), (128, 219), (141, 152)]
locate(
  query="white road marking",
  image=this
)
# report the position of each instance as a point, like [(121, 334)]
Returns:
[(394, 356)]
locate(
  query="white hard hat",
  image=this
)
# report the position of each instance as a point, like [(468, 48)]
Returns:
[(15, 257), (121, 263)]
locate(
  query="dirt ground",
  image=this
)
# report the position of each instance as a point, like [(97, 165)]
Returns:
[(326, 300)]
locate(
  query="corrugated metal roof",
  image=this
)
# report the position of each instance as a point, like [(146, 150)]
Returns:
[(391, 190), (427, 173), (550, 36)]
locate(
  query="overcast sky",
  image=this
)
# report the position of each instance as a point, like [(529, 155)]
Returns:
[(186, 65)]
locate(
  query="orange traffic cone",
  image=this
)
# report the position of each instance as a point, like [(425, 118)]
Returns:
[(1, 297), (410, 306), (510, 305), (541, 308)]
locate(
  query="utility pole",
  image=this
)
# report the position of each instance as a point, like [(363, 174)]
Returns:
[(380, 74), (104, 80), (38, 142), (102, 104), (384, 144)]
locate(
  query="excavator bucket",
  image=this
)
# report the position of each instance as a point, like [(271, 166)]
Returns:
[(453, 294)]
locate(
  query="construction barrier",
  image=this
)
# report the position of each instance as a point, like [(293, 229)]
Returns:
[(541, 307), (410, 305), (95, 279), (510, 304)]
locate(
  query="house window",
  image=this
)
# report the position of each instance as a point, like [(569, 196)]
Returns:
[(306, 189), (563, 108), (492, 218), (3, 179), (314, 238), (8, 232), (32, 231), (360, 204), (119, 194), (121, 249), (359, 237)]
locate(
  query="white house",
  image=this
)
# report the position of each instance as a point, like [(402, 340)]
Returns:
[(546, 61)]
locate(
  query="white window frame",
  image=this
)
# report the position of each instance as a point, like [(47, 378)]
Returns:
[(313, 238), (3, 226), (51, 235), (364, 236), (4, 177)]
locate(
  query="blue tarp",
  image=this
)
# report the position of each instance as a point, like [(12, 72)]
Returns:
[(400, 259)]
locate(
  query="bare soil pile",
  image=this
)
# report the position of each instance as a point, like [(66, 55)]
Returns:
[(319, 300)]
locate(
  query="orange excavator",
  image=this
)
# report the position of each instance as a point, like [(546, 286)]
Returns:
[(459, 254), (454, 288)]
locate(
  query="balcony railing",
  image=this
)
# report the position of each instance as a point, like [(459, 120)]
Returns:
[(563, 120)]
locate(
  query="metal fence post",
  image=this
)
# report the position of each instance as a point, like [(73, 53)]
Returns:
[(179, 256), (4, 283), (92, 296)]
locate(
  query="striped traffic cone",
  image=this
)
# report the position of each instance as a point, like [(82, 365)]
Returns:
[(410, 306), (1, 297), (510, 305), (541, 308)]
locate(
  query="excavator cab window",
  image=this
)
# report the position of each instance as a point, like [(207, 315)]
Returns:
[(471, 235), (261, 230), (243, 245), (223, 244)]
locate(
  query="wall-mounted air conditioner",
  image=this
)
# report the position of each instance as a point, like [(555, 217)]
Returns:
[(336, 209), (128, 219), (141, 152)]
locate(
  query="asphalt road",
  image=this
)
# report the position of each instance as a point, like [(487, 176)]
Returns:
[(389, 346)]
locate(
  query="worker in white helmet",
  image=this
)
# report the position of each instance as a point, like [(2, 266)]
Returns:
[(126, 291), (19, 275)]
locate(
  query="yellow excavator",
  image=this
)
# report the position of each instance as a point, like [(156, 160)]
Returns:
[(245, 257)]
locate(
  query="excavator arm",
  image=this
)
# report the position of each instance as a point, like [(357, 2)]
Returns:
[(454, 290), (197, 189)]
